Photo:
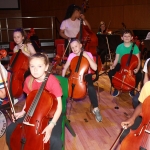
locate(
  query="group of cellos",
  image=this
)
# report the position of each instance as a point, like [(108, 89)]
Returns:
[(124, 80)]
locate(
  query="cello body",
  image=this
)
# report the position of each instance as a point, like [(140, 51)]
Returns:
[(45, 110), (139, 139), (76, 78), (19, 64), (124, 80)]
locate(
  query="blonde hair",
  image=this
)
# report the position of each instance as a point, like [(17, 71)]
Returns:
[(46, 62)]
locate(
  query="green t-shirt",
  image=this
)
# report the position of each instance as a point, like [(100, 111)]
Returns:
[(122, 50)]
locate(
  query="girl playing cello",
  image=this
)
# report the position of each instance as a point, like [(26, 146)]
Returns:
[(76, 47), (20, 38), (38, 64)]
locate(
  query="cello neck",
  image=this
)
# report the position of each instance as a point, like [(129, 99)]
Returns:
[(129, 58), (38, 95)]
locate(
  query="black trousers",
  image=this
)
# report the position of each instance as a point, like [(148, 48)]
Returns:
[(55, 139), (138, 75), (136, 124), (91, 90), (102, 53)]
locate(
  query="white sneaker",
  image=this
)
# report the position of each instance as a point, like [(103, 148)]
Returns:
[(97, 114), (15, 101)]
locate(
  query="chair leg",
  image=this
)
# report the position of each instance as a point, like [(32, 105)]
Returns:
[(67, 124)]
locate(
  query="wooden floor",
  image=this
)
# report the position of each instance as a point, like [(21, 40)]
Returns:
[(91, 135)]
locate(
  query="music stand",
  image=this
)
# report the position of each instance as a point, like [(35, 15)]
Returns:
[(113, 40)]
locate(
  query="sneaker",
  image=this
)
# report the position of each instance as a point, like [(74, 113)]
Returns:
[(115, 93), (131, 93), (97, 114)]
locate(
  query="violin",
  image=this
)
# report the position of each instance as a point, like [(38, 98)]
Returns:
[(124, 80), (139, 139), (40, 107), (19, 64)]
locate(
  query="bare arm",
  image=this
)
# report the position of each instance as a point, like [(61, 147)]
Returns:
[(115, 61), (131, 120), (66, 66), (62, 34), (49, 128), (86, 22), (92, 63), (145, 78), (139, 64), (2, 93), (31, 49)]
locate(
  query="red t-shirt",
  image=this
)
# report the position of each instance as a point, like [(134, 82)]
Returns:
[(52, 85)]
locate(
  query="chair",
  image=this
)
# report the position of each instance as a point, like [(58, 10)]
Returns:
[(65, 123), (60, 48)]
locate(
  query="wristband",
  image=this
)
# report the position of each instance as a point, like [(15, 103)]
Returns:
[(54, 123)]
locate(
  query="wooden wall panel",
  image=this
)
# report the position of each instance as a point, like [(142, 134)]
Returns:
[(134, 13)]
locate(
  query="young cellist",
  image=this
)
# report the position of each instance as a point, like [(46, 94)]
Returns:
[(146, 74), (22, 42), (122, 49), (134, 121), (76, 47), (38, 64)]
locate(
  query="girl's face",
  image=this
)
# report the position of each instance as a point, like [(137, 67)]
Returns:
[(77, 13), (76, 47), (102, 27), (38, 68), (127, 38), (18, 38)]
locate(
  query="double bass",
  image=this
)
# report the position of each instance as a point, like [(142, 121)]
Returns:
[(40, 107), (92, 43), (124, 80)]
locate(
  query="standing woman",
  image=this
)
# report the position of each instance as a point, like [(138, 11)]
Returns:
[(70, 26), (102, 28), (102, 49), (22, 42)]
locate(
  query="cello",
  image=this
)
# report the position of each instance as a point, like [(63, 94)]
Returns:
[(77, 85), (18, 66), (28, 134), (124, 80), (139, 139)]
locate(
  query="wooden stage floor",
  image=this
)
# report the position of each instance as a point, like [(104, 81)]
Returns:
[(91, 135)]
